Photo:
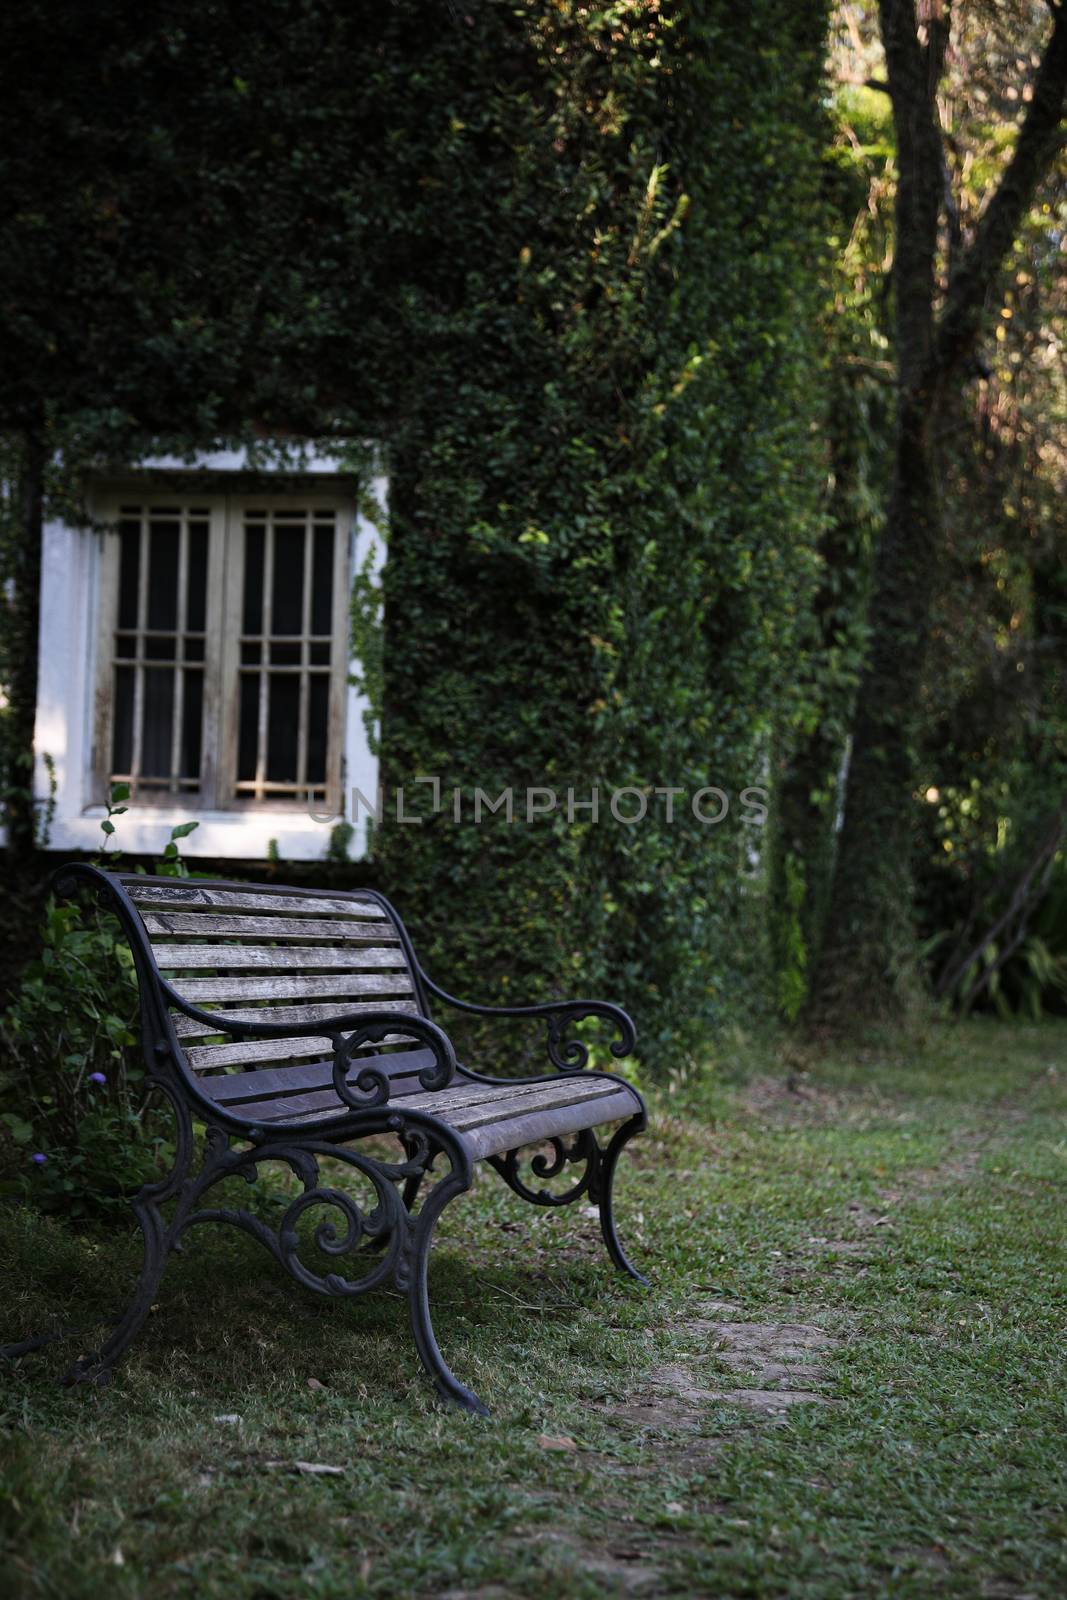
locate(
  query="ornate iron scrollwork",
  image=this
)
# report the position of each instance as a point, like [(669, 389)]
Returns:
[(354, 1230), (371, 1086), (549, 1165), (572, 1055)]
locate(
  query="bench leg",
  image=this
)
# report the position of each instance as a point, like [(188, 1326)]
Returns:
[(414, 1280), (97, 1366), (601, 1192)]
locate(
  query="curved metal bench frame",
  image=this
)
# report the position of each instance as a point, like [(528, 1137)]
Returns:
[(392, 1237)]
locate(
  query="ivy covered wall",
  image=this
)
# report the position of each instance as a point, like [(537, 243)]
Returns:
[(606, 500), (562, 263)]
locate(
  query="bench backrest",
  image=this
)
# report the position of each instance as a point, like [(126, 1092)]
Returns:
[(270, 954)]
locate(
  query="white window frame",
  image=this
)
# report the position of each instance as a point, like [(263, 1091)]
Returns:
[(72, 675)]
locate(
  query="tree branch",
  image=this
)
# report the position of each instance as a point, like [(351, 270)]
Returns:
[(1040, 137)]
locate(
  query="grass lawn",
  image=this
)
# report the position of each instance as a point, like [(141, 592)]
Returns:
[(847, 1379)]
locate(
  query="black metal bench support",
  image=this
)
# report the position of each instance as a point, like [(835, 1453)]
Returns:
[(596, 1181), (392, 1239)]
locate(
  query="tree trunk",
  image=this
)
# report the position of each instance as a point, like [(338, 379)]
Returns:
[(869, 962)]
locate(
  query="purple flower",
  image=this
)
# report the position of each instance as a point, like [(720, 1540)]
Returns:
[(40, 1158), (97, 1077)]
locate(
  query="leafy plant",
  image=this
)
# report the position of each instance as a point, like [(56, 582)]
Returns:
[(78, 1133)]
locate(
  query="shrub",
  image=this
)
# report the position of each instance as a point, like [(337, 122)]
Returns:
[(80, 1136)]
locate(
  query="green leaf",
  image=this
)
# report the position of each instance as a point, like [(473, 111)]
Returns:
[(183, 830)]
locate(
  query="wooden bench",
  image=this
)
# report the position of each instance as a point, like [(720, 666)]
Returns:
[(295, 1026)]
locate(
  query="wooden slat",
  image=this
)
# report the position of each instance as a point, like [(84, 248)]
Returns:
[(473, 1111), (204, 925), (285, 987), (188, 1028), (146, 891), (300, 1094), (504, 1124), (211, 1057), (178, 956), (287, 1082)]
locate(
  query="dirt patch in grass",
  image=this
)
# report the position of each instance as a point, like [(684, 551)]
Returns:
[(782, 1358), (625, 1565)]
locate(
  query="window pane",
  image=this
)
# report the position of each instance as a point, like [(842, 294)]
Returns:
[(158, 722), (285, 655), (248, 734), (122, 738), (197, 598), (160, 649), (318, 726), (163, 574), (192, 724), (252, 611), (129, 568), (282, 728), (288, 596), (322, 582)]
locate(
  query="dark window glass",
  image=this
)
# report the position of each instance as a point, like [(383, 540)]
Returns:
[(122, 738), (282, 725), (285, 655), (319, 655), (194, 649), (253, 596), (160, 649), (251, 655), (322, 582), (192, 724), (163, 574), (248, 732), (158, 722), (288, 597), (129, 569), (318, 725), (196, 600)]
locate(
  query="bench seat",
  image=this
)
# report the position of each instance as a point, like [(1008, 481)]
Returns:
[(489, 1117)]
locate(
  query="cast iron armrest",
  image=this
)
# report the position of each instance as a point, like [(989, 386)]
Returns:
[(567, 1055), (346, 1032)]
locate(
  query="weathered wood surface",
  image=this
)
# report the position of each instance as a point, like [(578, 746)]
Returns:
[(177, 956), (189, 1028), (471, 1105), (506, 1119), (185, 896), (278, 987), (211, 1057), (401, 1066), (202, 924)]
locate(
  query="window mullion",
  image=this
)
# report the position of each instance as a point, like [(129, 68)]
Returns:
[(339, 646), (139, 657), (218, 626), (179, 653), (305, 654), (264, 673)]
